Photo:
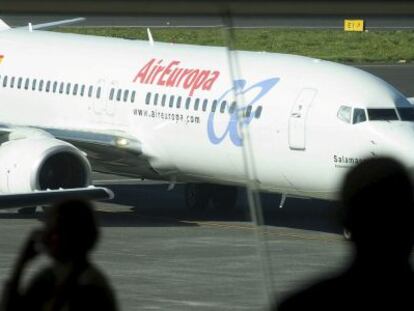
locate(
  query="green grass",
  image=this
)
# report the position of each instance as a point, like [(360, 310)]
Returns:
[(335, 45)]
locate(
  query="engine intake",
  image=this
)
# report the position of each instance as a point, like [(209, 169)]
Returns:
[(42, 163)]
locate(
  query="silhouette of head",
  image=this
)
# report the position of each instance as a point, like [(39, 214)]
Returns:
[(378, 209), (71, 230)]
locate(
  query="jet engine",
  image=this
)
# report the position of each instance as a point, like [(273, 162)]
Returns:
[(41, 163)]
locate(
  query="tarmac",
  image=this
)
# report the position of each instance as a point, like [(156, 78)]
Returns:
[(159, 256)]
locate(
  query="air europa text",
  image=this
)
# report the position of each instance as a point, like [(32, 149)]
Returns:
[(173, 75)]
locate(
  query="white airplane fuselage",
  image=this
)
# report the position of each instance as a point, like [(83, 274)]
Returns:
[(163, 94)]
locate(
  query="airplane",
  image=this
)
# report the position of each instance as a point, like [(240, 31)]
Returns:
[(72, 104)]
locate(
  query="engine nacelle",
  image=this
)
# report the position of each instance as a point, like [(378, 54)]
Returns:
[(40, 163)]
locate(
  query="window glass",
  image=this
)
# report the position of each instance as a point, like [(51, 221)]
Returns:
[(196, 104), (223, 106), (382, 114), (12, 83), (171, 104), (126, 94), (359, 116), (98, 92), (163, 100), (26, 84), (4, 81), (19, 83), (155, 99), (205, 103), (344, 114), (48, 86), (75, 89), (41, 82), (248, 111), (214, 106), (118, 95), (68, 88), (179, 101), (406, 113), (61, 87), (133, 96), (111, 94), (148, 98), (82, 92), (258, 112), (188, 103), (90, 91), (55, 85), (232, 107)]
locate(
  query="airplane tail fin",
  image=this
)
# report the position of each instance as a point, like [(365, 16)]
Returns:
[(3, 25)]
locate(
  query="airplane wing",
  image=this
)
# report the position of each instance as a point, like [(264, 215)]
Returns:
[(4, 26), (19, 200)]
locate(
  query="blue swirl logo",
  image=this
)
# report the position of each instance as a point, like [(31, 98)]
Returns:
[(239, 88)]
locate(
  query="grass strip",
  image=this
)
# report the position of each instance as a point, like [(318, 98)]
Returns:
[(335, 45)]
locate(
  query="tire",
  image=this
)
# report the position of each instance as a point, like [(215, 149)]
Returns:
[(197, 197), (347, 235)]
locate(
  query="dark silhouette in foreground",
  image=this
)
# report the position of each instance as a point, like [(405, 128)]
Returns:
[(378, 210), (71, 282)]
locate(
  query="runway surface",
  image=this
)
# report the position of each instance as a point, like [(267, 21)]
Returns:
[(159, 256), (371, 22)]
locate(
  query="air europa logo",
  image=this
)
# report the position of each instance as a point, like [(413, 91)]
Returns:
[(173, 75)]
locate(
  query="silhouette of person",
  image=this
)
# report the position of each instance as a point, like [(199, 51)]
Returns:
[(378, 210), (71, 282)]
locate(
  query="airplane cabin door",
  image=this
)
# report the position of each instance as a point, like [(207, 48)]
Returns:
[(297, 119)]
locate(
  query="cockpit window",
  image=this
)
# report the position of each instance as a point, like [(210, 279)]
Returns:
[(382, 114), (345, 113), (406, 113), (359, 116)]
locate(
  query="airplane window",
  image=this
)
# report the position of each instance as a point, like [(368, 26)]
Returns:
[(75, 89), (90, 91), (382, 114), (98, 92), (148, 98), (187, 103), (26, 84), (248, 111), (179, 101), (4, 81), (223, 106), (40, 85), (155, 99), (19, 83), (196, 104), (48, 86), (359, 116), (55, 85), (68, 88), (214, 106), (12, 82), (34, 84), (205, 103), (344, 114), (232, 107), (163, 100), (61, 87), (406, 113), (82, 92), (111, 94), (133, 97), (258, 112), (118, 95), (126, 94), (171, 104)]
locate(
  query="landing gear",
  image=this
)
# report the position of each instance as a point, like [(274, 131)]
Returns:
[(199, 197), (347, 234), (27, 210)]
